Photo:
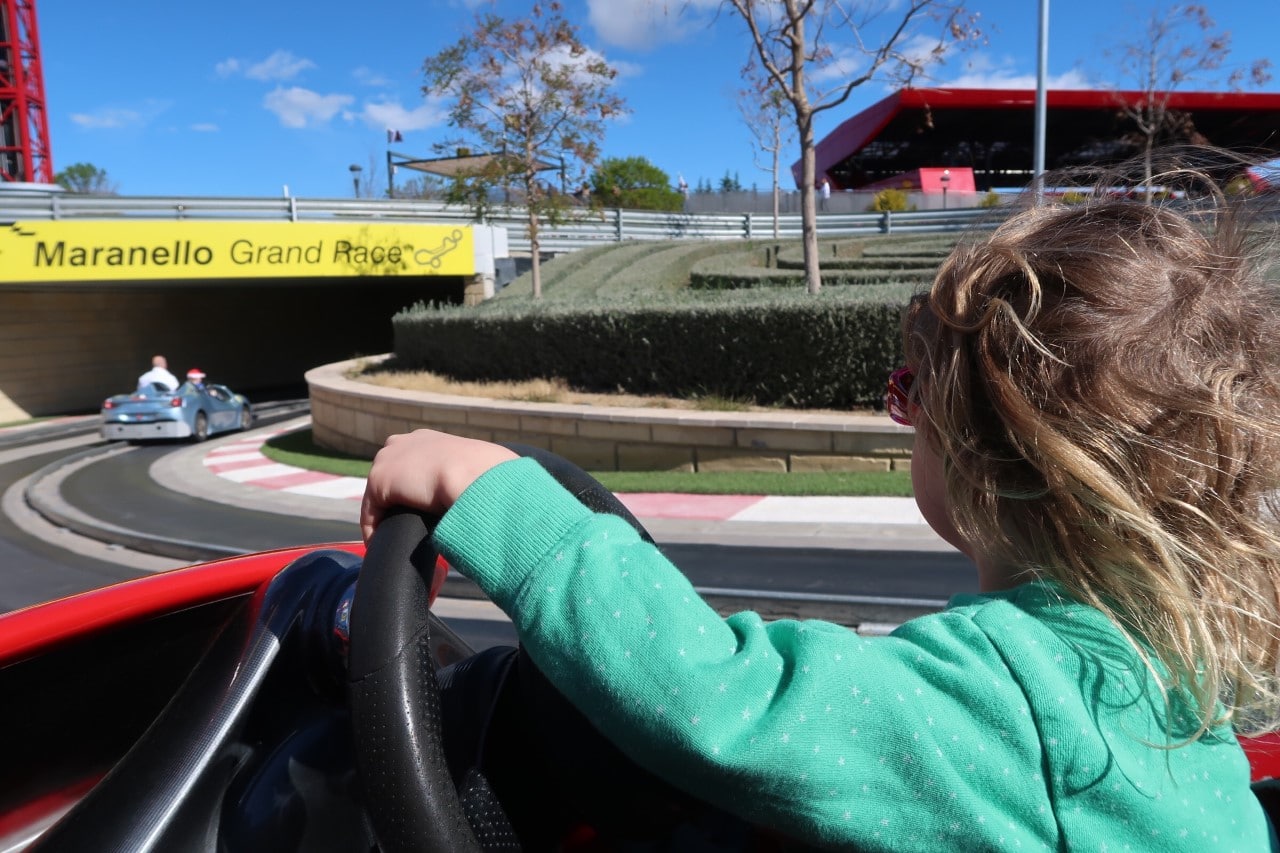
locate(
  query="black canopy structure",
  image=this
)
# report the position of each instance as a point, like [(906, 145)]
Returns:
[(992, 132)]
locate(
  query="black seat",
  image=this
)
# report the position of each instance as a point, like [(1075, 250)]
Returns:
[(1268, 793)]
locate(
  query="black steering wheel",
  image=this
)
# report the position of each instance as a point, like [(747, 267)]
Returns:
[(393, 692)]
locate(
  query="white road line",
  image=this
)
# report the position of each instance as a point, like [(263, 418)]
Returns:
[(833, 510), (339, 487), (259, 472), (223, 458)]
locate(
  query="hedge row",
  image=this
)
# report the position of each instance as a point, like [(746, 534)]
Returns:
[(793, 350), (620, 268), (728, 273), (938, 252), (884, 250), (880, 262)]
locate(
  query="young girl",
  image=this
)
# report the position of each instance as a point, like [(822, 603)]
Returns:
[(1098, 427)]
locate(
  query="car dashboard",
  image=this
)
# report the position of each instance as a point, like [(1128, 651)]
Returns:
[(219, 727)]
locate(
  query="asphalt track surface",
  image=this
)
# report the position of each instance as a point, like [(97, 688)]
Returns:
[(119, 490), (36, 570), (35, 567)]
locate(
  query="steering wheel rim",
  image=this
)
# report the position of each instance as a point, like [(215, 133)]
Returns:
[(393, 692), (395, 699)]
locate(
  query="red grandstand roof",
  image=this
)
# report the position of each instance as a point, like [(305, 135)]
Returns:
[(992, 131)]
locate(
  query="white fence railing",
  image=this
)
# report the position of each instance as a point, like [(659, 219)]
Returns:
[(581, 229)]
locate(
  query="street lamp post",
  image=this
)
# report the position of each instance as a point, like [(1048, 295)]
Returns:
[(1042, 73), (355, 177), (946, 181)]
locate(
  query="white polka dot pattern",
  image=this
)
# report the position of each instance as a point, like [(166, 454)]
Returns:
[(1016, 721)]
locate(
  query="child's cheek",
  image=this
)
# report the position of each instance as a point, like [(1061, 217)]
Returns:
[(930, 490)]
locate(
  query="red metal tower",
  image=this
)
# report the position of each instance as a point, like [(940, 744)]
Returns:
[(24, 124)]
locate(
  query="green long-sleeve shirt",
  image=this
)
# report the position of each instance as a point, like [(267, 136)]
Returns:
[(1018, 720)]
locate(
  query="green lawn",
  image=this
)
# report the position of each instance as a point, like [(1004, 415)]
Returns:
[(298, 449)]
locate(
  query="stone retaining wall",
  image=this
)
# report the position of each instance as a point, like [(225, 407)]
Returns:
[(356, 417)]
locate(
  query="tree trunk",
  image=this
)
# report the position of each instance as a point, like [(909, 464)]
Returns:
[(531, 200), (777, 152), (808, 206), (804, 129), (535, 253)]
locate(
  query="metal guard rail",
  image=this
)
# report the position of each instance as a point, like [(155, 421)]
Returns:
[(583, 228)]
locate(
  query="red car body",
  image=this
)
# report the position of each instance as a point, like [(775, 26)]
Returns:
[(81, 624)]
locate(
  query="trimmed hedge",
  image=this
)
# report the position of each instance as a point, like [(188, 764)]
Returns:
[(877, 262), (880, 252), (792, 350), (729, 273), (618, 269), (691, 319)]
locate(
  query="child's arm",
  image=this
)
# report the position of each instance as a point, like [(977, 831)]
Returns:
[(804, 727), (424, 470)]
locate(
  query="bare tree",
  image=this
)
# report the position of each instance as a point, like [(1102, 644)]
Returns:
[(885, 40), (426, 187), (764, 108), (1177, 45), (527, 93)]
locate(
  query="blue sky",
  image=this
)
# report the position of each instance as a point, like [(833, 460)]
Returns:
[(245, 97)]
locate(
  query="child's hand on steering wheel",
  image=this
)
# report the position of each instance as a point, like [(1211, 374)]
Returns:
[(424, 470)]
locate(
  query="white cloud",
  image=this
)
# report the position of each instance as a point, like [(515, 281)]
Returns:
[(205, 127), (115, 118), (298, 107), (980, 70), (384, 115), (369, 77), (1069, 80), (923, 50), (558, 58), (645, 23), (983, 71), (561, 57), (625, 69), (108, 117), (281, 65), (846, 63)]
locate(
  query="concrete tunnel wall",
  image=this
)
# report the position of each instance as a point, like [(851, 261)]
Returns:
[(66, 347)]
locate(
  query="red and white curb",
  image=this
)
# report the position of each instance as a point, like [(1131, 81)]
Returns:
[(243, 462)]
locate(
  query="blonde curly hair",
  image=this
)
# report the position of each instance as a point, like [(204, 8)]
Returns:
[(1100, 380)]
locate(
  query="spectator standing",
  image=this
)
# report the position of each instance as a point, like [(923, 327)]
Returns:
[(826, 193)]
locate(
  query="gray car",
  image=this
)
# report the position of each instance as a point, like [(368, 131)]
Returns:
[(194, 410)]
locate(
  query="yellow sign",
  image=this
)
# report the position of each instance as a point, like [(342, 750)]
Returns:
[(120, 250)]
